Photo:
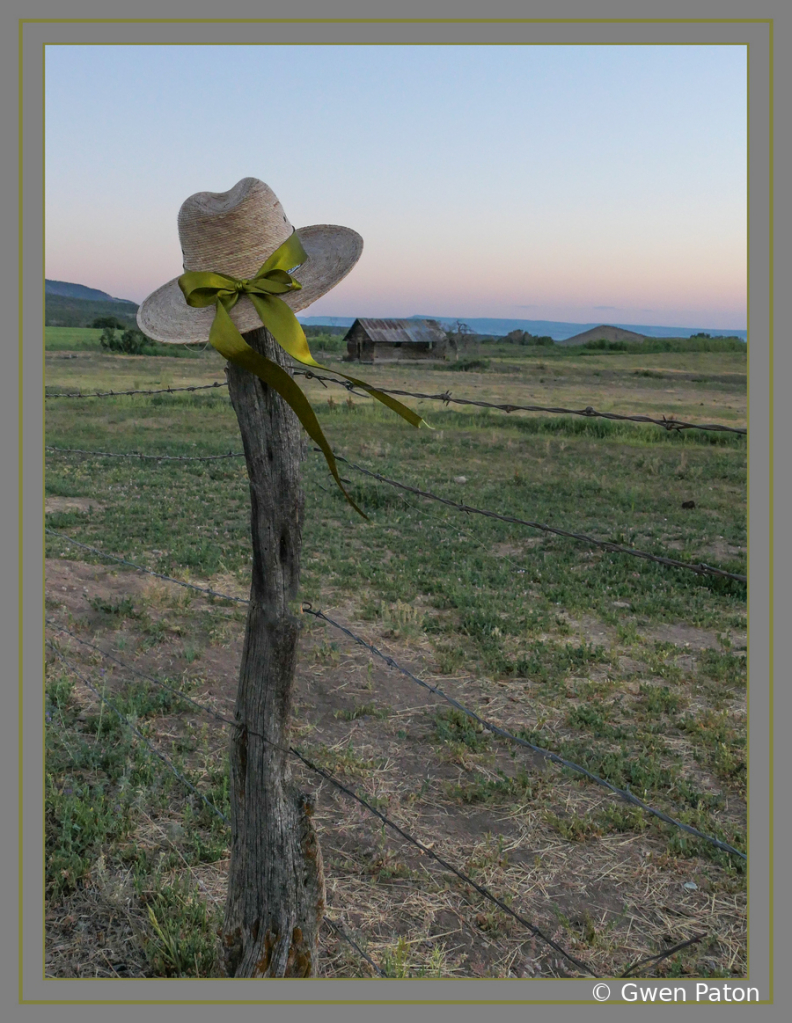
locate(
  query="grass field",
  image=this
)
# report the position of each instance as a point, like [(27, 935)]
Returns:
[(631, 669)]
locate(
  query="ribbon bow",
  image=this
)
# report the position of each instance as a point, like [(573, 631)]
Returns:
[(204, 288)]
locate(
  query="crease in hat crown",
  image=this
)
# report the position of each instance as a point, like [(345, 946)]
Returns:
[(232, 232)]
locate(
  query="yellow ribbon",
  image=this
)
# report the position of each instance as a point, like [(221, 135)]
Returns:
[(204, 288)]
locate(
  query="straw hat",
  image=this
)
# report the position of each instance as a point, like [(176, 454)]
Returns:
[(233, 233)]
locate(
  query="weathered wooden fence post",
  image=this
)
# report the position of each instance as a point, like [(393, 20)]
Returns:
[(275, 900), (239, 251)]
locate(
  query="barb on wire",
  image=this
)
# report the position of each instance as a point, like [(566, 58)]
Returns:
[(116, 394), (667, 422), (663, 955), (699, 569), (444, 863), (138, 454), (625, 794), (495, 729), (124, 720)]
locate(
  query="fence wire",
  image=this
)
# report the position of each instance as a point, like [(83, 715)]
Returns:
[(185, 781), (137, 390), (668, 423), (481, 889), (148, 571), (139, 454), (448, 866), (625, 794), (699, 568)]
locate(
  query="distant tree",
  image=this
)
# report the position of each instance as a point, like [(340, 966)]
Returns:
[(458, 335), (107, 321), (524, 337), (519, 337)]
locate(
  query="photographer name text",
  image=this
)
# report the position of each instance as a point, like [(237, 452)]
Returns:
[(704, 993)]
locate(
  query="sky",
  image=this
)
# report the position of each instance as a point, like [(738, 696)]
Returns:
[(579, 183)]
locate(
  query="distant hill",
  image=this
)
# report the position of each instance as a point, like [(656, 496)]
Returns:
[(557, 329), (604, 332), (67, 290), (81, 312)]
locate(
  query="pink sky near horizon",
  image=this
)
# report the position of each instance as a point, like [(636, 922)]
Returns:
[(580, 199)]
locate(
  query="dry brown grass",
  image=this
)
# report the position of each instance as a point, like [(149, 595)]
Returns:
[(610, 898)]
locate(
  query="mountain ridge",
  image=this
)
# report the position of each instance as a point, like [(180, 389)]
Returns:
[(559, 330), (66, 289)]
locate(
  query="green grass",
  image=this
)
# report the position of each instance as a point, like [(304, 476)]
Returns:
[(195, 515), (86, 339), (508, 605), (72, 339)]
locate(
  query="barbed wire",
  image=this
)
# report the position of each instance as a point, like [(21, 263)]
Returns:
[(700, 568), (663, 955), (142, 674), (138, 454), (625, 794), (138, 390), (481, 889), (667, 422), (168, 762), (306, 608), (324, 774), (148, 571), (351, 941), (444, 863)]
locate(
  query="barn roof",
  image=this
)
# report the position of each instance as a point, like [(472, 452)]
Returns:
[(404, 331)]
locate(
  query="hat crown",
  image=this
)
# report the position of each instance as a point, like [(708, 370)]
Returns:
[(232, 232)]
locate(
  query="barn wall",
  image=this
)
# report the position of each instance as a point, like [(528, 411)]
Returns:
[(385, 351), (356, 337), (361, 347)]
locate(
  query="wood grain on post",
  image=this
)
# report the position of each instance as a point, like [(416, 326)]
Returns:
[(276, 899)]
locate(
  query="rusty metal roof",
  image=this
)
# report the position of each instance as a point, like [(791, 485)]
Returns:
[(402, 331)]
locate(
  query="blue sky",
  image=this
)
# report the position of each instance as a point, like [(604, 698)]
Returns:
[(546, 182)]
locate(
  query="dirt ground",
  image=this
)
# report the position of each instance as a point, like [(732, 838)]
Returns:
[(609, 901)]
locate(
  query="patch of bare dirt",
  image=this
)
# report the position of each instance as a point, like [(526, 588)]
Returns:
[(63, 504), (684, 636)]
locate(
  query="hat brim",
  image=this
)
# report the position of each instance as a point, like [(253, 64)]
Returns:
[(332, 252)]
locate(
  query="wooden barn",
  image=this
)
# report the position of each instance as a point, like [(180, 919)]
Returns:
[(395, 341)]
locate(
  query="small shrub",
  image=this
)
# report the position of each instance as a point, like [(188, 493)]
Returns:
[(467, 365), (131, 342), (454, 726)]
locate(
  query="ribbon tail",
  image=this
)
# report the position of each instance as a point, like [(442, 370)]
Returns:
[(226, 339)]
